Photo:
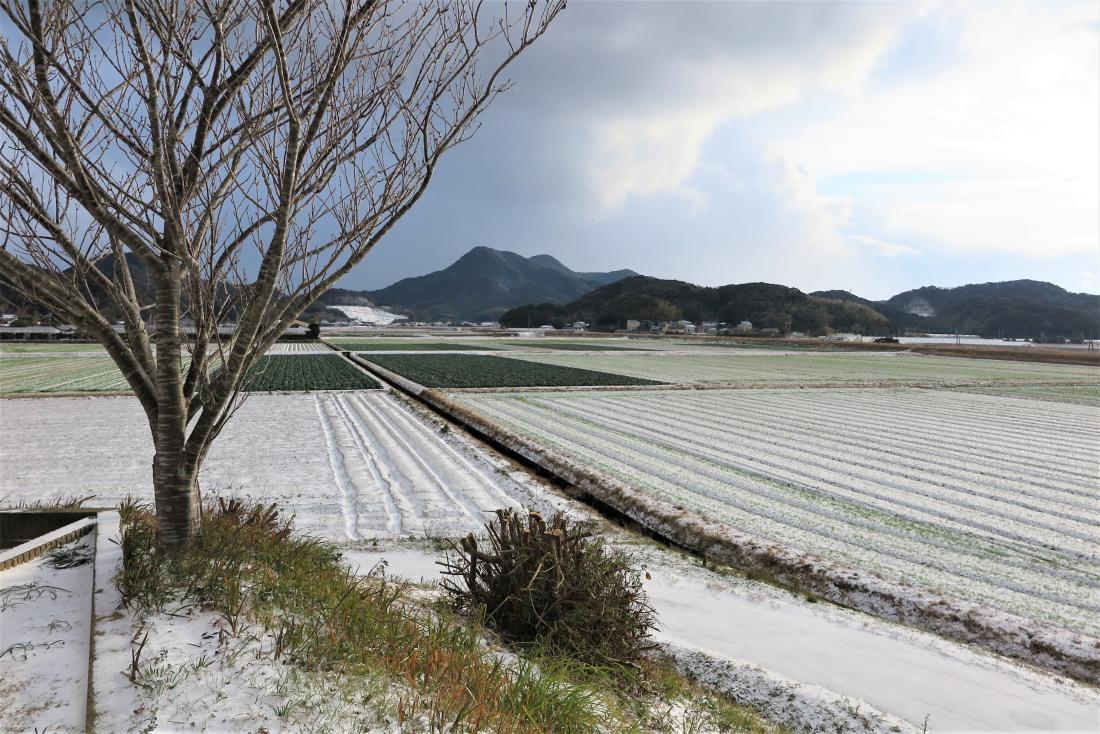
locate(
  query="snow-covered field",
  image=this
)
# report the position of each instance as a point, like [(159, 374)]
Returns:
[(298, 348), (751, 366), (985, 498), (350, 465), (370, 314)]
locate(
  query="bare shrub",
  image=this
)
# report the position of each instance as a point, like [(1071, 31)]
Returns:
[(553, 586)]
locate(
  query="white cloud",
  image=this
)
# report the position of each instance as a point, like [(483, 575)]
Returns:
[(999, 153), (881, 247), (666, 78)]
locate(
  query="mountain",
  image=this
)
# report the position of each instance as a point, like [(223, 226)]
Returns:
[(932, 299), (480, 286), (651, 299), (1023, 309)]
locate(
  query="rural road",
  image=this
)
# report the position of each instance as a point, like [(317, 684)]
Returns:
[(903, 672)]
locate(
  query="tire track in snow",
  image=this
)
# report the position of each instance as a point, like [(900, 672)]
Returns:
[(339, 473), (397, 478), (374, 466), (503, 499), (470, 496), (431, 492)]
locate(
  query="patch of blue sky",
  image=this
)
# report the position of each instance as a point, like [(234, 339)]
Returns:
[(927, 47), (868, 183)]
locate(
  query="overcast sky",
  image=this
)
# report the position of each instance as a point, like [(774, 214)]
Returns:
[(873, 147)]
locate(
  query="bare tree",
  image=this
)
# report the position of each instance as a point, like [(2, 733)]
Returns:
[(223, 161)]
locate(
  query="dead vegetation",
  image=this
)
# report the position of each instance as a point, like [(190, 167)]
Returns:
[(552, 586)]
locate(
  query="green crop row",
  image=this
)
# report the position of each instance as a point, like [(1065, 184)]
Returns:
[(475, 370), (307, 372), (387, 345)]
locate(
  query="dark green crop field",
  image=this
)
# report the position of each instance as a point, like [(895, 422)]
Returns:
[(307, 372), (382, 345), (475, 370)]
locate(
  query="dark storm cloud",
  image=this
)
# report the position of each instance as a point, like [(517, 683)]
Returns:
[(654, 136)]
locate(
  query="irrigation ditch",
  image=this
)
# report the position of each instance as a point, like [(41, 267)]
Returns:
[(1029, 641)]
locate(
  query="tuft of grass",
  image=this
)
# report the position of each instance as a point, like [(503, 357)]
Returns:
[(58, 502), (70, 555)]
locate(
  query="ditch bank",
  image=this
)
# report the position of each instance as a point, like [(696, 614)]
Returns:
[(1036, 643)]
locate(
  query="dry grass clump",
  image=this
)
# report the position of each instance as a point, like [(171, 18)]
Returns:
[(553, 586)]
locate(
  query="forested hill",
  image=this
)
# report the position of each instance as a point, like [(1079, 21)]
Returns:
[(1015, 308), (480, 286), (764, 304), (1021, 309)]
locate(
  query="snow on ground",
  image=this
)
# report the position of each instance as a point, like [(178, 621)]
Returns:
[(370, 314), (984, 498), (735, 625), (188, 677), (44, 627), (298, 348), (350, 465)]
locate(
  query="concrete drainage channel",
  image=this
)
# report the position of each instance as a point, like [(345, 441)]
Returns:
[(50, 610), (1029, 641), (28, 534)]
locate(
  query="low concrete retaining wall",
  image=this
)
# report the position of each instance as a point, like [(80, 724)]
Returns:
[(35, 547), (1047, 646)]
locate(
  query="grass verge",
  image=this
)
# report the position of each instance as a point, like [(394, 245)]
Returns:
[(260, 578)]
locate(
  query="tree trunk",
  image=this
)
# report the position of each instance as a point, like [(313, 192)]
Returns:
[(175, 482), (177, 503)]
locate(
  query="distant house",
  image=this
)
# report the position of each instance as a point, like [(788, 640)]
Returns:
[(31, 332), (678, 327)]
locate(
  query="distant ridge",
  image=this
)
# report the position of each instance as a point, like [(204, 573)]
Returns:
[(480, 286), (1021, 309), (765, 305)]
